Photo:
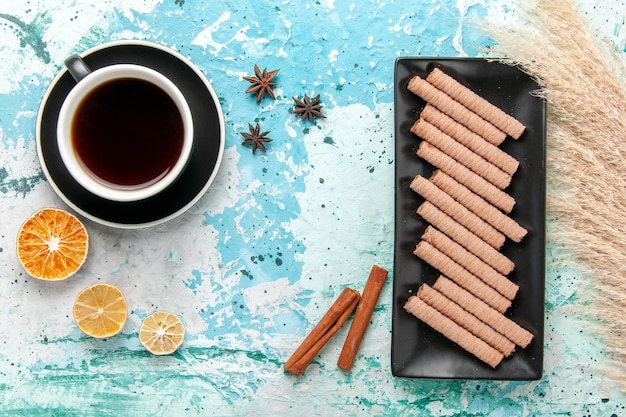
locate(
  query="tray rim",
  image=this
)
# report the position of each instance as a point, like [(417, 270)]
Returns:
[(537, 371)]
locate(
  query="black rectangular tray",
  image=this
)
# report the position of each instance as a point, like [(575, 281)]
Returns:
[(417, 351)]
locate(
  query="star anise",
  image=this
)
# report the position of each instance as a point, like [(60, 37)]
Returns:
[(262, 83), (255, 138), (308, 107)]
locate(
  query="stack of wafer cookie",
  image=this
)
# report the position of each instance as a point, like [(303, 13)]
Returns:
[(468, 211)]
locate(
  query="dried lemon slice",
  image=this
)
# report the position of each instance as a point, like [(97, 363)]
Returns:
[(161, 333), (100, 310), (52, 244)]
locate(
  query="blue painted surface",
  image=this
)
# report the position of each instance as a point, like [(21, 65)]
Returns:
[(256, 262)]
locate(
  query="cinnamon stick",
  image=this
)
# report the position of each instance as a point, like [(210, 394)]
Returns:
[(371, 292), (326, 328)]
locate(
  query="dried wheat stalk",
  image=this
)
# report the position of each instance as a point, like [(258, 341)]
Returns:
[(584, 83)]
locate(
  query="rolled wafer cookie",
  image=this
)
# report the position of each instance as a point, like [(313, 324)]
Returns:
[(453, 331), (464, 319), (513, 331), (465, 238), (455, 210), (471, 262), (461, 276), (463, 135), (456, 110), (466, 177), (489, 213), (476, 103), (461, 153)]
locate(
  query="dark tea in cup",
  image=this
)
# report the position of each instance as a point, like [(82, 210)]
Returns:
[(125, 132), (128, 132)]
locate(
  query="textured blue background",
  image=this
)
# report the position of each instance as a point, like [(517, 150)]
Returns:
[(256, 262)]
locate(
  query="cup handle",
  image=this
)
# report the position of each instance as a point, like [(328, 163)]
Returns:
[(77, 67)]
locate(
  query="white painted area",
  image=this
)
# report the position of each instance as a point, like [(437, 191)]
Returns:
[(338, 234), (205, 38), (63, 24), (269, 299)]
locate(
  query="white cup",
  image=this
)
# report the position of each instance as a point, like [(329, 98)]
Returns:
[(72, 113)]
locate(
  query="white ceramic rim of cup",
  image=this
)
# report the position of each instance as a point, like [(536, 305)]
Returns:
[(75, 97)]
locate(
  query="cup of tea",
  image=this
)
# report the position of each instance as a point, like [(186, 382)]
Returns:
[(125, 131)]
